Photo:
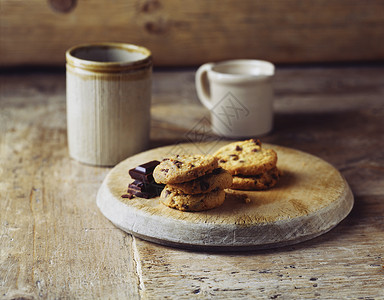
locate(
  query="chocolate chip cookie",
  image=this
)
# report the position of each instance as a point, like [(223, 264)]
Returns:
[(246, 158), (186, 202), (217, 179), (261, 181), (182, 168)]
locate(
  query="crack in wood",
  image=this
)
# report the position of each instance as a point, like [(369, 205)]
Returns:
[(138, 273)]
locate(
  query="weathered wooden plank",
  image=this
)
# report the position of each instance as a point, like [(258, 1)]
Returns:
[(54, 241), (193, 32), (334, 266)]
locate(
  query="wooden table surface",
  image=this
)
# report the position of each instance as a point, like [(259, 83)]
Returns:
[(55, 243)]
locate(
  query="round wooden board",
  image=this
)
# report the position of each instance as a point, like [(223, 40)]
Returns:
[(310, 199)]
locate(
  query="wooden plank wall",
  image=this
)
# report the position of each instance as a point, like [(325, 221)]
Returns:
[(191, 32)]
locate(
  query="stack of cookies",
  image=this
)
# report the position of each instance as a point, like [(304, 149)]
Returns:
[(193, 182), (252, 167)]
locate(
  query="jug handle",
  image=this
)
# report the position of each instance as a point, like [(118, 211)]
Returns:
[(203, 85)]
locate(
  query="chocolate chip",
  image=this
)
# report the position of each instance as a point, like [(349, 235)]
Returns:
[(167, 193), (255, 150), (241, 161), (177, 163), (256, 142), (222, 161), (238, 148), (164, 170), (234, 156)]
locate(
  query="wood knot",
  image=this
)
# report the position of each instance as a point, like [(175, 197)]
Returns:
[(151, 6), (62, 6), (158, 27)]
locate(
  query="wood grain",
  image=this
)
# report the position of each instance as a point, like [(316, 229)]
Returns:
[(194, 32), (311, 198), (47, 238), (54, 242)]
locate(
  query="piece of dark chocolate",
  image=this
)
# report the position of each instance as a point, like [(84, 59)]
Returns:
[(146, 195), (129, 196), (151, 188), (144, 172), (134, 190), (142, 194), (137, 185), (144, 186), (147, 178), (148, 167)]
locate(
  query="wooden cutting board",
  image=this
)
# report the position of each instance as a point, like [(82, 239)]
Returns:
[(310, 199)]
